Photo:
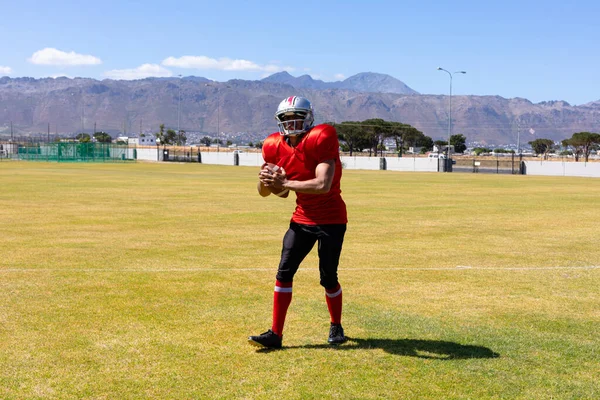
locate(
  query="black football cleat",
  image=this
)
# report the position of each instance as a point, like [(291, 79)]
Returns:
[(336, 334), (267, 340)]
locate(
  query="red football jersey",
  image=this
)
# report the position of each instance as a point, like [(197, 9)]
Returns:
[(318, 145)]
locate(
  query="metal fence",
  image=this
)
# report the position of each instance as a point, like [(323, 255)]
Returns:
[(490, 165), (68, 152), (182, 154)]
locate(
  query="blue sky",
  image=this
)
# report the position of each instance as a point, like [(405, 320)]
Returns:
[(539, 50)]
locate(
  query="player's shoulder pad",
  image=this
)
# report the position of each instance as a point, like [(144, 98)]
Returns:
[(323, 129), (272, 139)]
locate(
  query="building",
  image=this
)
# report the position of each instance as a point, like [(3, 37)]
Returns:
[(138, 141)]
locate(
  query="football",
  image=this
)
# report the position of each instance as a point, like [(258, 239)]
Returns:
[(271, 166), (275, 191)]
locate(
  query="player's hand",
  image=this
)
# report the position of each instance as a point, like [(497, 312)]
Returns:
[(265, 176), (271, 178), (279, 179)]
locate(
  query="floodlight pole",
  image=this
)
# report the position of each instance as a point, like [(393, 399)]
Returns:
[(218, 111), (450, 74), (179, 112), (82, 116), (218, 118)]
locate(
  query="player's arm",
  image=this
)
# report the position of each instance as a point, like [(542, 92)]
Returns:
[(320, 184)]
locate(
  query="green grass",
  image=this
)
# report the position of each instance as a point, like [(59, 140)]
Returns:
[(129, 281)]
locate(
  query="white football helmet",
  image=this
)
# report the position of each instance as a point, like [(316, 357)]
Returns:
[(294, 116)]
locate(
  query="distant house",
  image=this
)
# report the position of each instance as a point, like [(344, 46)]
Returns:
[(138, 141), (414, 150), (443, 149), (144, 141)]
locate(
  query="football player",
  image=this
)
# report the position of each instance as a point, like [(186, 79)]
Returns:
[(304, 159)]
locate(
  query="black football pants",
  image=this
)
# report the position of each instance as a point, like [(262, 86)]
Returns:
[(299, 241)]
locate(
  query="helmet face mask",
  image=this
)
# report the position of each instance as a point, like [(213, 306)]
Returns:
[(294, 116)]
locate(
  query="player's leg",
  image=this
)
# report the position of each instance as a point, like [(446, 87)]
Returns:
[(330, 248), (297, 243)]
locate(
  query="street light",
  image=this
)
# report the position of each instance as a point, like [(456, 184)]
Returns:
[(157, 149), (218, 111), (516, 121), (450, 74), (179, 112), (82, 115)]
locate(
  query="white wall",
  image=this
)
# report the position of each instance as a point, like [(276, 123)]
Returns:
[(559, 168), (406, 164), (360, 162), (251, 159), (218, 158), (148, 154), (412, 164)]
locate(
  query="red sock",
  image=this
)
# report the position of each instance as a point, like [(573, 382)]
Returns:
[(282, 297), (334, 303)]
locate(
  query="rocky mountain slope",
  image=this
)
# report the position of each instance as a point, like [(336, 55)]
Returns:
[(244, 109)]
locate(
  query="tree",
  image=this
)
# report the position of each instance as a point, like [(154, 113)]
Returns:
[(542, 146), (83, 138), (206, 141), (369, 134), (160, 135), (458, 141), (440, 145), (102, 137), (352, 134), (181, 138), (416, 138), (480, 150), (401, 133), (375, 129), (425, 142), (583, 143), (171, 136), (577, 150)]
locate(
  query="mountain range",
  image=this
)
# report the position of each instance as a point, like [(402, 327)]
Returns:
[(242, 110), (363, 82)]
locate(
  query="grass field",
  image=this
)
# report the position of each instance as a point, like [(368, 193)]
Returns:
[(131, 281)]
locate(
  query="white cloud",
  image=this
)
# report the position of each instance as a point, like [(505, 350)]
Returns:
[(5, 70), (339, 77), (277, 68), (141, 72), (51, 56), (223, 64)]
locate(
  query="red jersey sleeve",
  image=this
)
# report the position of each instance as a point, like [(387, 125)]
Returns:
[(327, 144), (269, 149)]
